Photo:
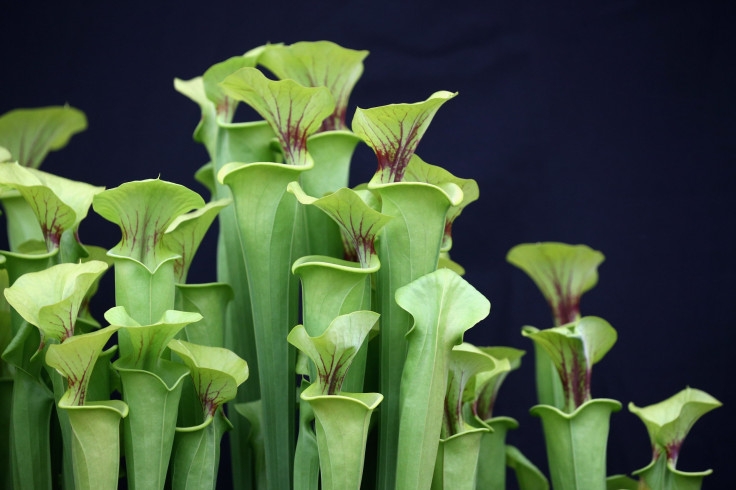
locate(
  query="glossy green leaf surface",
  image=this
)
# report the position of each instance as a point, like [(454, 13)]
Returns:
[(59, 204), (443, 306), (574, 348), (30, 134), (293, 111), (50, 299), (334, 350), (394, 131), (576, 443), (562, 273)]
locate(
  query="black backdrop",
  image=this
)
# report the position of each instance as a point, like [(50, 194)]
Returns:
[(610, 125)]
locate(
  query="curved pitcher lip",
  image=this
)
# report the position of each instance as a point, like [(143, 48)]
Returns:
[(116, 406), (470, 430), (235, 166), (334, 263), (115, 256), (369, 400), (538, 410), (334, 132), (243, 124), (510, 422), (451, 191), (685, 474), (119, 365)]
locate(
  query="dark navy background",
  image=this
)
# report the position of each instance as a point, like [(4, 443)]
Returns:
[(611, 125)]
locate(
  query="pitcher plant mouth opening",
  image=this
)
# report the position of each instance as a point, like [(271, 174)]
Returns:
[(330, 304)]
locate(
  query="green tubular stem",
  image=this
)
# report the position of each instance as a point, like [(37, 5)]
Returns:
[(153, 400), (492, 457), (100, 384), (210, 301), (95, 429), (576, 443), (248, 142), (18, 264), (196, 456), (22, 223), (29, 433), (409, 247), (342, 430), (306, 457), (528, 476), (6, 402), (32, 401), (444, 306), (67, 473), (660, 475), (332, 152), (146, 295), (330, 288), (549, 386), (256, 464), (270, 230), (457, 461)]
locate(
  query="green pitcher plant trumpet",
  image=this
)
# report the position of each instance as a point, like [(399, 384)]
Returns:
[(341, 301), (668, 423)]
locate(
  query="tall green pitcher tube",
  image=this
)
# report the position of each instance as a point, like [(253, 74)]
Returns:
[(409, 248), (332, 152), (333, 287), (269, 227), (576, 443), (342, 430)]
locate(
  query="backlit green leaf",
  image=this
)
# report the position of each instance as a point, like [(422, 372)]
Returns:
[(562, 272), (30, 134), (394, 131), (319, 64), (293, 111), (217, 372)]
